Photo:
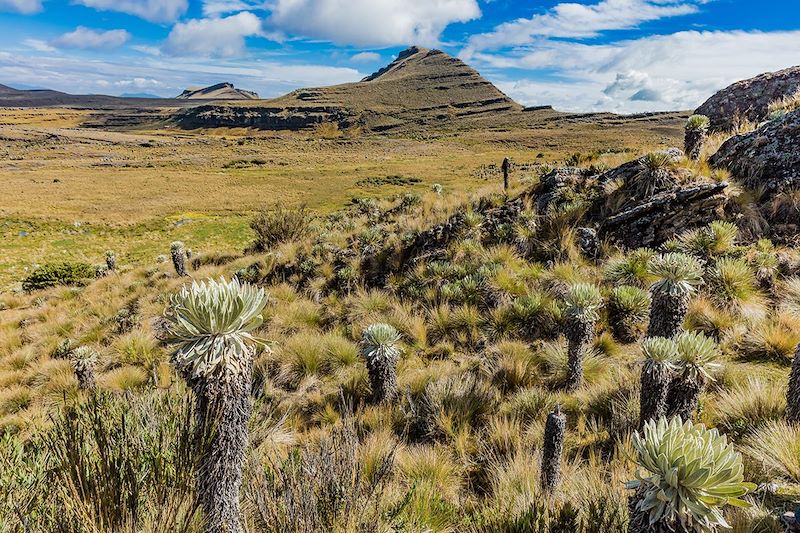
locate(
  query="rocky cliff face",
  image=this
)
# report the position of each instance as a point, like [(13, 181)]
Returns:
[(219, 91), (420, 88), (749, 99)]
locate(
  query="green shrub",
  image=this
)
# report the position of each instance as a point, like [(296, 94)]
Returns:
[(61, 273)]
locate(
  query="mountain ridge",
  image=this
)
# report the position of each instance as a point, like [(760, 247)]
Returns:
[(421, 87)]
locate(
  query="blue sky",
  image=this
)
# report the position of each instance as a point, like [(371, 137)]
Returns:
[(614, 55)]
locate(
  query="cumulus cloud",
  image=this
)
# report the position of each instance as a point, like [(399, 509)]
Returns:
[(213, 8), (220, 37), (166, 76), (38, 45), (571, 20), (150, 10), (365, 57), (371, 22), (667, 72), (26, 7), (84, 37)]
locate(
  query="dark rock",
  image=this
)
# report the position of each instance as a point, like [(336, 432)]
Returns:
[(749, 99), (588, 243), (768, 158), (666, 214)]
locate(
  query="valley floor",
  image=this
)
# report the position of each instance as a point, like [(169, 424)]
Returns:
[(72, 191)]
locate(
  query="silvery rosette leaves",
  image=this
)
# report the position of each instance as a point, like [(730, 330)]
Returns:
[(687, 474), (211, 323)]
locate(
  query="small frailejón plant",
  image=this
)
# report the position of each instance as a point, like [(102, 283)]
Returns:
[(655, 174), (583, 301), (84, 360), (381, 353), (696, 364), (210, 325), (660, 357), (695, 136), (111, 261), (178, 252), (627, 312), (678, 276), (687, 474), (793, 393), (553, 448)]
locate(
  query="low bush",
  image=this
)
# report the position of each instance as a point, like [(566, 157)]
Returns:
[(53, 274)]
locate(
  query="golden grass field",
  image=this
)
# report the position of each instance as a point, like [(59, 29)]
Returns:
[(72, 192)]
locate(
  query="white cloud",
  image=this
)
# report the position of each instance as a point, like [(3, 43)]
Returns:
[(148, 50), (173, 74), (571, 20), (371, 22), (26, 7), (139, 83), (84, 37), (664, 72), (221, 37), (365, 57), (151, 10), (38, 45), (212, 8)]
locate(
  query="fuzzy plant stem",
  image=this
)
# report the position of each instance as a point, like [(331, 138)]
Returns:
[(552, 450), (667, 314), (84, 372), (793, 393), (383, 379), (684, 396), (178, 254), (111, 261), (579, 333), (655, 379), (693, 142), (223, 412)]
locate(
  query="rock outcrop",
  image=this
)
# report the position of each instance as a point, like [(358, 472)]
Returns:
[(767, 158), (749, 99), (219, 91)]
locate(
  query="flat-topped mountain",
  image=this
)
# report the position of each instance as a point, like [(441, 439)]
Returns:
[(421, 87), (219, 91)]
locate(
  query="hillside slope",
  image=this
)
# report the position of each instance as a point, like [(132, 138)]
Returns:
[(421, 87), (218, 91)]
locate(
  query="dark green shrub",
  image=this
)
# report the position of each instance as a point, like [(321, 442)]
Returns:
[(61, 273)]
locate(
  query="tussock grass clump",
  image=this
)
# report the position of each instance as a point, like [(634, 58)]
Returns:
[(746, 407), (279, 224), (770, 339), (776, 449)]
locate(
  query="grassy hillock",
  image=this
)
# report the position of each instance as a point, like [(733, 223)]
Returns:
[(497, 327)]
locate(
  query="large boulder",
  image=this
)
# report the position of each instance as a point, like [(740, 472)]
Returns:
[(749, 99), (768, 158), (768, 161)]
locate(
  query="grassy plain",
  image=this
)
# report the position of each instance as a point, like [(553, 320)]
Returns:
[(72, 192)]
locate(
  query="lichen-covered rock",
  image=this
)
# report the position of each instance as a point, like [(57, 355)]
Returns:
[(749, 99), (664, 215), (768, 158)]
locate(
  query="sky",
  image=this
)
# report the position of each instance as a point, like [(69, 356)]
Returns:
[(595, 55)]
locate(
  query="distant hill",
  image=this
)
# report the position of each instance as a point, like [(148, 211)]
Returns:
[(10, 97), (139, 95), (220, 91), (421, 87)]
